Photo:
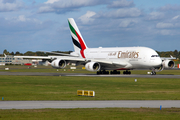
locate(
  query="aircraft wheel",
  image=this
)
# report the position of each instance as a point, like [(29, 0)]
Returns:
[(102, 72), (115, 72), (127, 72), (153, 73), (105, 72)]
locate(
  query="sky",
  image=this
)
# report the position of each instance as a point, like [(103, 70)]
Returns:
[(41, 25)]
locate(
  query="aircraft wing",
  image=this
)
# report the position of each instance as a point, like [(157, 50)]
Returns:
[(83, 60), (168, 58), (62, 54), (33, 57), (104, 63), (67, 58)]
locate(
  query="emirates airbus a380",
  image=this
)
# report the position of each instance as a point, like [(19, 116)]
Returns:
[(112, 59)]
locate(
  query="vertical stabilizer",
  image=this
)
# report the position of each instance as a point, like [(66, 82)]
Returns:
[(78, 41)]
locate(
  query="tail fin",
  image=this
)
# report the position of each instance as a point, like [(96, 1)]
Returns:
[(78, 41)]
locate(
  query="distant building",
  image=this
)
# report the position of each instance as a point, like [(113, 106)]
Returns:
[(9, 59)]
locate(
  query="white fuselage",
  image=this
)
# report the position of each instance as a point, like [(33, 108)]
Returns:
[(132, 57)]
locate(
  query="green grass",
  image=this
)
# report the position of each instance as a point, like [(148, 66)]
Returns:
[(49, 69), (106, 88), (92, 114)]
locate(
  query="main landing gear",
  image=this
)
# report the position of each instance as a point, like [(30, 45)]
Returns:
[(115, 72), (127, 72), (153, 72), (104, 72)]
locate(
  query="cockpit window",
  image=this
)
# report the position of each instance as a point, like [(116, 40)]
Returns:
[(155, 56)]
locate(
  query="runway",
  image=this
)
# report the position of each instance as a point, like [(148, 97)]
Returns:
[(89, 104), (85, 75)]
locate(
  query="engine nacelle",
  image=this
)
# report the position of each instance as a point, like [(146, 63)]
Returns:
[(168, 64), (158, 69), (92, 66), (59, 64)]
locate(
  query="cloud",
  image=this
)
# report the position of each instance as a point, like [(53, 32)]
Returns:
[(164, 25), (155, 16), (23, 18), (20, 24), (176, 17), (121, 3), (123, 12), (45, 9), (167, 25), (23, 32), (63, 6), (51, 1), (127, 23), (10, 5), (87, 17), (165, 32), (170, 7)]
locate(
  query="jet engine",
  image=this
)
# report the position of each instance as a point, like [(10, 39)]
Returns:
[(92, 66), (168, 64), (158, 69), (59, 64)]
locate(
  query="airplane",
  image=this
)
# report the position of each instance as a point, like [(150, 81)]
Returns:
[(102, 60)]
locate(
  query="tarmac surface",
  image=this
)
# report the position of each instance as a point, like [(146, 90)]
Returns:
[(90, 104), (84, 75)]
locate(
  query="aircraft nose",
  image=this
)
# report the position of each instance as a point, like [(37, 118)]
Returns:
[(158, 62)]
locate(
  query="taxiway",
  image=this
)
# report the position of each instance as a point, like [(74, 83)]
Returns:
[(85, 75), (90, 104)]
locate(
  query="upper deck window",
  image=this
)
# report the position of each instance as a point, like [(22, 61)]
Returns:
[(155, 56)]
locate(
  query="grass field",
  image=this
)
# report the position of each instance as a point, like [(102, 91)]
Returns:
[(106, 88), (92, 114)]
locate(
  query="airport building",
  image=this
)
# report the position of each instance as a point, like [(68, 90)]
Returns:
[(9, 59)]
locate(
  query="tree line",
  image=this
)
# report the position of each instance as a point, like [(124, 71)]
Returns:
[(174, 53)]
